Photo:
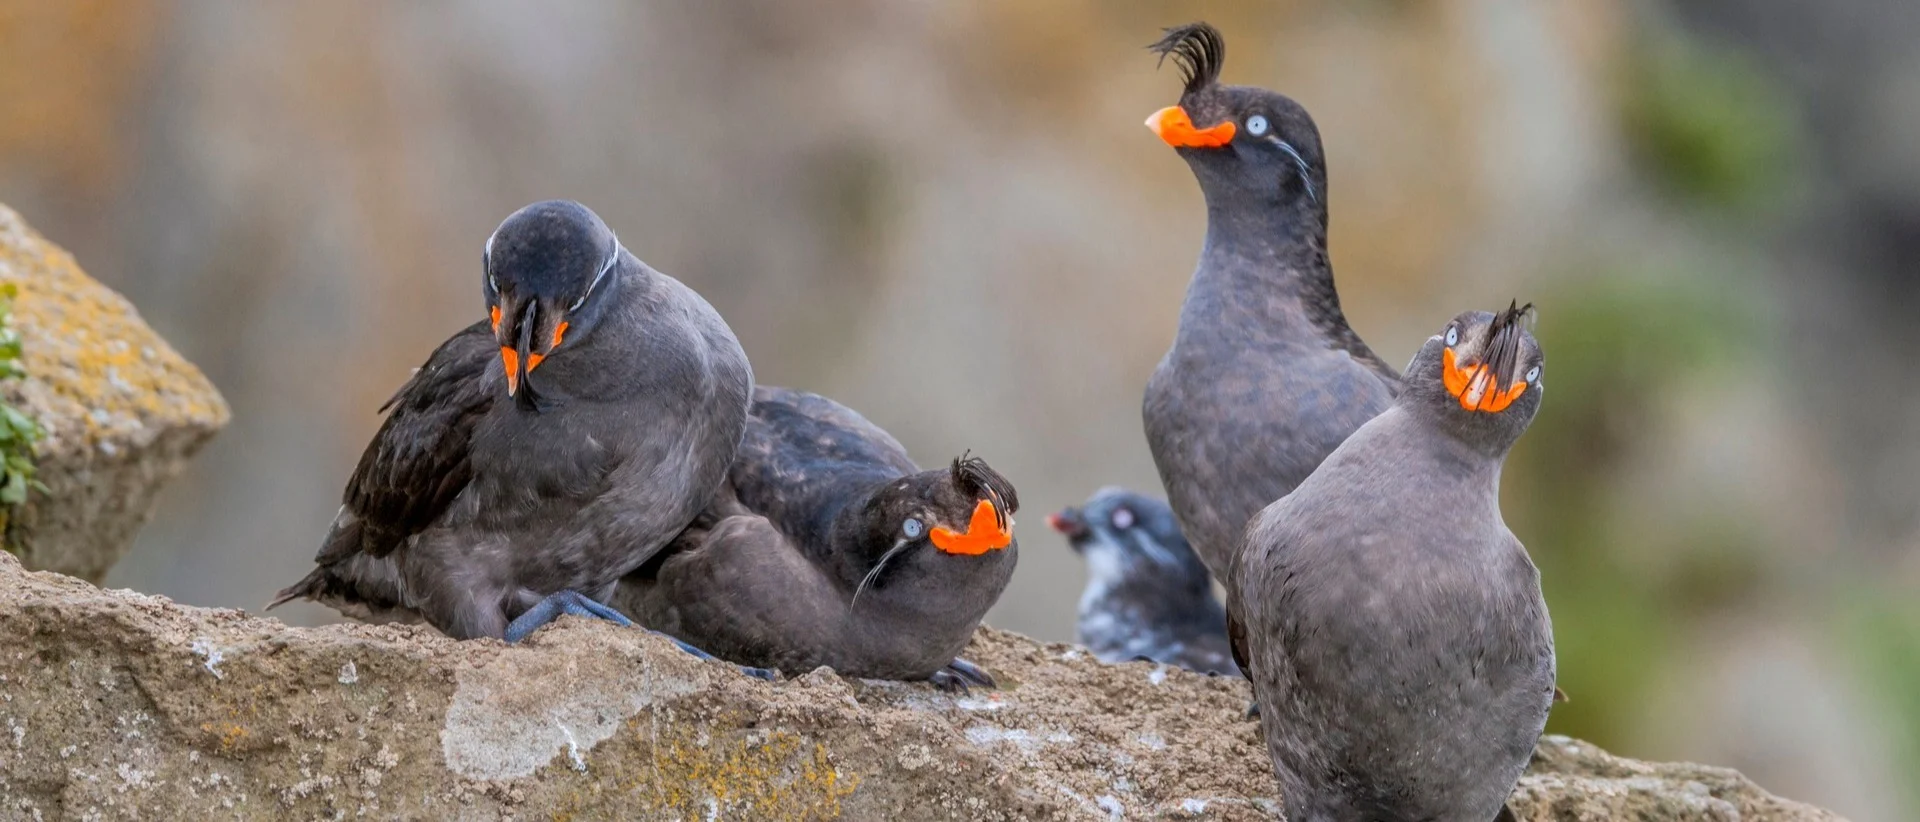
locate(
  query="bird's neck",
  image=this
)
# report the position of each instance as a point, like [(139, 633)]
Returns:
[(1265, 269)]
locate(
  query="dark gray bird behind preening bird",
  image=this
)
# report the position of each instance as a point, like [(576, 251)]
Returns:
[(1265, 377), (826, 545), (545, 452), (1399, 645), (1148, 596)]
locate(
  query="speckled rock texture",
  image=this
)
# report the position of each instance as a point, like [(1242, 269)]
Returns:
[(117, 705), (122, 410)]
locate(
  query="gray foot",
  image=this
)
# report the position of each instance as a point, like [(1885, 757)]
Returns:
[(562, 603), (959, 675), (558, 604)]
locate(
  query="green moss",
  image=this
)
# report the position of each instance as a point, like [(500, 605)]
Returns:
[(18, 432)]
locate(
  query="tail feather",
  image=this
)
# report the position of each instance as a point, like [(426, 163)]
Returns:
[(309, 587)]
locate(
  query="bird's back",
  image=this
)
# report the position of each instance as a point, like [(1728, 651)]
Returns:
[(803, 456), (1237, 417)]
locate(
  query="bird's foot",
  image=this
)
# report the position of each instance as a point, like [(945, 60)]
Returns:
[(767, 674), (1253, 711), (562, 603), (959, 675), (558, 604)]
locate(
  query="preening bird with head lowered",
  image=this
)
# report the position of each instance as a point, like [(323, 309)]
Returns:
[(544, 452)]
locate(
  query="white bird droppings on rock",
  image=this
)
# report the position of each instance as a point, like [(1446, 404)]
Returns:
[(210, 655)]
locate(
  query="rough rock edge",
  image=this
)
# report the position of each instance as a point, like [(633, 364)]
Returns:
[(119, 705), (122, 410)]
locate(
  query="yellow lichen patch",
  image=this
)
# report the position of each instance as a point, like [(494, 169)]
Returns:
[(95, 371), (775, 776), (227, 735)]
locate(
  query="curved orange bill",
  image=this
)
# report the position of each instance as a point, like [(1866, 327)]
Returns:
[(983, 534), (1473, 385), (534, 359), (1176, 128)]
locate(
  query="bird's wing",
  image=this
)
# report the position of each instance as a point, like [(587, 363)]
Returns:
[(418, 462)]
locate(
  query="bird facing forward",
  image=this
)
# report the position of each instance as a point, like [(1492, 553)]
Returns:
[(544, 452), (1399, 645)]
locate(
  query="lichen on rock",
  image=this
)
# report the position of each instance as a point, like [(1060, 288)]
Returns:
[(121, 410)]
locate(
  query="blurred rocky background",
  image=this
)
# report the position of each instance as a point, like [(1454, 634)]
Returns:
[(948, 216)]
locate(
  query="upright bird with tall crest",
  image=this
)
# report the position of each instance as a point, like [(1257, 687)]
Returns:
[(1265, 377)]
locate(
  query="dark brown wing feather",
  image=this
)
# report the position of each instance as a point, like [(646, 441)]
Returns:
[(1237, 641), (418, 462)]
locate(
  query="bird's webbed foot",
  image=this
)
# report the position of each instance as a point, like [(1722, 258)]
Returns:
[(562, 603), (558, 604), (767, 674), (959, 675)]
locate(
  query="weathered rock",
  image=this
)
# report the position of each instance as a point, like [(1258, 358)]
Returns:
[(118, 705), (122, 410)]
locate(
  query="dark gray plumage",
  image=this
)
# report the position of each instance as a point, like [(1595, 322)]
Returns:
[(828, 546), (1148, 596), (1400, 647), (552, 449), (1265, 377)]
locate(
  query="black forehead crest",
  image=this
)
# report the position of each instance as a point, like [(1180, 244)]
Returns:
[(974, 477), (1197, 49)]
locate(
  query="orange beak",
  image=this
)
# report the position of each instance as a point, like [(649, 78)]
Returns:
[(1176, 128), (983, 534), (1473, 385), (510, 356)]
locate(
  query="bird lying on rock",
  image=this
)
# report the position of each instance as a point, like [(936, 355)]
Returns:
[(541, 454), (828, 546), (1147, 596), (1400, 647), (1265, 377)]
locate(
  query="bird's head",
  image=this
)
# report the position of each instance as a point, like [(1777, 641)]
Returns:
[(1241, 141), (964, 511), (1481, 374), (549, 271), (1121, 532)]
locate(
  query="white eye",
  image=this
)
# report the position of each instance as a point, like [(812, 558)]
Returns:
[(1123, 518), (1256, 125), (1453, 336), (1533, 375), (912, 528)]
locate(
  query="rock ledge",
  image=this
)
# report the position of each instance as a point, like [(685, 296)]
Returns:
[(122, 410), (118, 705)]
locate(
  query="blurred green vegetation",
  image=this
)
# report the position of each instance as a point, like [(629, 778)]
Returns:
[(1882, 629), (1619, 345), (1705, 121)]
